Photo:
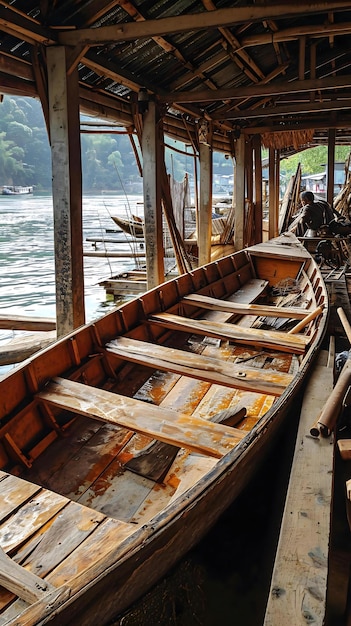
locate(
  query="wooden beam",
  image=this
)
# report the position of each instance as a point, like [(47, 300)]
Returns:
[(331, 165), (23, 26), (21, 322), (199, 366), (152, 197), (205, 198), (261, 90), (248, 336), (190, 22), (324, 29), (215, 304), (258, 191), (306, 107), (67, 192), (160, 423), (22, 582), (239, 192)]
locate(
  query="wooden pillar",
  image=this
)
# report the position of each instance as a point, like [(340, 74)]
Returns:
[(239, 192), (249, 225), (66, 190), (331, 165), (277, 191), (152, 198), (204, 225), (274, 183), (258, 215)]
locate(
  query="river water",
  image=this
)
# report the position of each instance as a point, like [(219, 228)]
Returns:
[(27, 272)]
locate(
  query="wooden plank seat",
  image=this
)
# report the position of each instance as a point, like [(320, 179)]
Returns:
[(215, 304), (199, 366), (163, 424), (247, 336)]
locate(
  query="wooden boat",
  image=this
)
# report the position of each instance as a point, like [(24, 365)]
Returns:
[(123, 442), (133, 226), (16, 190)]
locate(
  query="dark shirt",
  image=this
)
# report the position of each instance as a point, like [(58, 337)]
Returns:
[(316, 213)]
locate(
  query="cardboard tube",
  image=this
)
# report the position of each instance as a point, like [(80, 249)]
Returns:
[(314, 430), (345, 323), (332, 407)]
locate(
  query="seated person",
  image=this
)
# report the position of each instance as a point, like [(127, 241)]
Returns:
[(314, 214)]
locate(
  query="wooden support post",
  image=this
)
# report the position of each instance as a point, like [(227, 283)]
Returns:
[(67, 191), (331, 165), (152, 198), (239, 192), (271, 192), (204, 227), (258, 216)]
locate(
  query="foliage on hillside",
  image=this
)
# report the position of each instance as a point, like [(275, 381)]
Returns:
[(108, 160), (313, 160)]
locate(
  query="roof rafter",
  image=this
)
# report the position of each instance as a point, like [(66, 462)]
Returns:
[(261, 90), (306, 107), (191, 22)]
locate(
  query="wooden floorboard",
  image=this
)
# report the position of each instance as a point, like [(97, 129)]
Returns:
[(298, 589)]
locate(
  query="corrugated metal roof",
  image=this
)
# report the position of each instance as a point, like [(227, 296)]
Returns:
[(288, 43)]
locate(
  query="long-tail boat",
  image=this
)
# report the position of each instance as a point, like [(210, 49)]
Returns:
[(123, 442)]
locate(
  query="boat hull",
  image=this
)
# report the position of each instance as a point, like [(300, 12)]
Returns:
[(100, 575)]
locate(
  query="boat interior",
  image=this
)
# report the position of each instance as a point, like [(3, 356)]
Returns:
[(117, 420)]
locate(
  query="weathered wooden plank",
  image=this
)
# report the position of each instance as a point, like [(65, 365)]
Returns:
[(20, 581), (101, 549), (198, 366), (215, 304), (19, 322), (122, 493), (21, 348), (344, 446), (155, 460), (14, 493), (68, 529), (262, 338), (299, 582), (30, 517), (72, 479), (165, 425)]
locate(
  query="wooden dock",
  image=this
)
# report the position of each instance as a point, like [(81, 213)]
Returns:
[(298, 592)]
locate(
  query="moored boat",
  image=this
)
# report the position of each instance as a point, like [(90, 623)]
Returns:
[(123, 442), (16, 190), (133, 226)]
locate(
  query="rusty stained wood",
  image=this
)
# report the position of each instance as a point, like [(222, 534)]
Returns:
[(199, 366), (165, 425), (254, 336), (239, 308)]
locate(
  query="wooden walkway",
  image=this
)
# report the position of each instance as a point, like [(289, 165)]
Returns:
[(298, 589), (311, 573)]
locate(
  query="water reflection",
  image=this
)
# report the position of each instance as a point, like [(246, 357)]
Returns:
[(27, 273)]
